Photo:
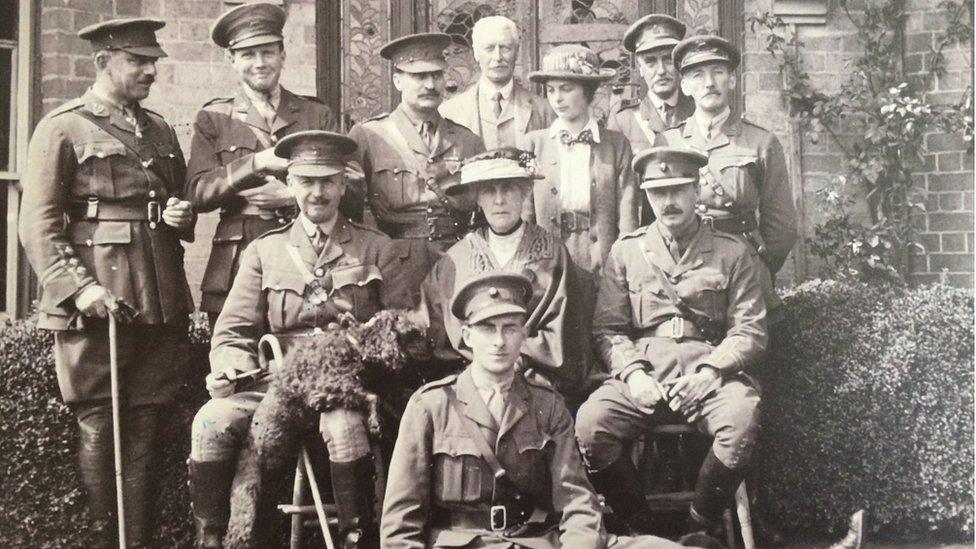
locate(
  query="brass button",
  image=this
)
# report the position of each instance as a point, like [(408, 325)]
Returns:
[(152, 194), (319, 272), (88, 242), (152, 224), (100, 154), (233, 148)]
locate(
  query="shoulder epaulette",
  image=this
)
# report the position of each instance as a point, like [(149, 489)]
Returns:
[(635, 233), (312, 98), (154, 114), (277, 230), (217, 100), (67, 107), (362, 227), (443, 382), (539, 382), (377, 117)]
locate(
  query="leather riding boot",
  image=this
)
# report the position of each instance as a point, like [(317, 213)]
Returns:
[(95, 459), (139, 426), (354, 489), (210, 484), (620, 485), (713, 492)]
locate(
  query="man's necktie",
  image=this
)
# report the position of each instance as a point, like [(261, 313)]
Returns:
[(427, 134), (675, 249), (669, 112), (496, 105), (318, 241), (496, 404), (585, 136)]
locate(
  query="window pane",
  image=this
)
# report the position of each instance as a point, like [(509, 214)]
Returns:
[(8, 19), (6, 97)]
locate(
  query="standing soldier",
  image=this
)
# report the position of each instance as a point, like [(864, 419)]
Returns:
[(232, 166), (101, 222), (497, 107), (651, 39), (412, 156), (680, 315), (746, 172)]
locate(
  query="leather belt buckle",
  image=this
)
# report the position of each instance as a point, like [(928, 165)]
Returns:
[(154, 213), (91, 208), (498, 518), (677, 327), (708, 221)]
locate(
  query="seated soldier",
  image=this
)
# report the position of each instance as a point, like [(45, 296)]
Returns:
[(680, 314), (293, 279), (487, 458), (556, 345)]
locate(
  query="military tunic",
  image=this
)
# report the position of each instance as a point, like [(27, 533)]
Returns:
[(747, 175), (272, 295), (718, 277), (641, 123), (111, 197), (228, 131), (556, 345)]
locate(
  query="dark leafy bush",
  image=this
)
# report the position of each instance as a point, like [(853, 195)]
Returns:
[(42, 503), (868, 403)]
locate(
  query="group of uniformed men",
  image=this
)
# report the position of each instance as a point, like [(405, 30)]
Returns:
[(411, 211)]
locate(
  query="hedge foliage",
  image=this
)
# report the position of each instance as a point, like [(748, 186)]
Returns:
[(42, 502), (868, 403)]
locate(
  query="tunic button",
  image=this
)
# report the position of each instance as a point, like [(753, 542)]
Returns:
[(396, 171), (277, 286), (554, 190), (719, 191), (88, 242), (319, 272), (152, 224), (233, 148), (100, 154), (274, 139), (282, 220), (593, 237), (152, 194)]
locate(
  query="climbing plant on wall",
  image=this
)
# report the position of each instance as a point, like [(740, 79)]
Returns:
[(886, 107)]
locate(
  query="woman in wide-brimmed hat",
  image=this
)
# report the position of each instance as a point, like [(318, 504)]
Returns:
[(588, 195)]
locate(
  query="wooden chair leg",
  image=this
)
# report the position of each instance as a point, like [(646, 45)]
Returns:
[(745, 516), (317, 497), (297, 499)]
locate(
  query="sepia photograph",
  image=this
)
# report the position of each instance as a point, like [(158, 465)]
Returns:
[(500, 274)]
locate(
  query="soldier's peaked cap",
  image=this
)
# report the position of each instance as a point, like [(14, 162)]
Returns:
[(490, 295), (652, 32), (668, 166), (315, 153), (248, 25), (423, 52), (134, 35), (696, 50)]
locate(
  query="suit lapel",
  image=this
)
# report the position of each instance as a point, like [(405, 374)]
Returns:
[(409, 132), (474, 407), (287, 113), (299, 239), (692, 135), (516, 405), (333, 246), (652, 116)]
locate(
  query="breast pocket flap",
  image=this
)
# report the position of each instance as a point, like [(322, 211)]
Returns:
[(283, 281), (98, 149)]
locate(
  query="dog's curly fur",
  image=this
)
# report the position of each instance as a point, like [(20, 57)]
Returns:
[(340, 367)]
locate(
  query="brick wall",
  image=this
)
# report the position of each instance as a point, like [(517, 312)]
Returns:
[(194, 72), (946, 179)]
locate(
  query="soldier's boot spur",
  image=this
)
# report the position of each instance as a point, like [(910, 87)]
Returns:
[(210, 485), (620, 486), (354, 489)]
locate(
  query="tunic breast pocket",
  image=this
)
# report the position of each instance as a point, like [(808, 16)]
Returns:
[(285, 292), (95, 163), (394, 183), (457, 475), (737, 176), (360, 286), (646, 299), (706, 291), (531, 472), (232, 147)]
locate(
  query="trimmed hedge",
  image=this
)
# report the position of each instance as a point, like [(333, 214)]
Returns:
[(868, 403), (42, 502)]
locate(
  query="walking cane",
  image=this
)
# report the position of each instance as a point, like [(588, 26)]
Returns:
[(122, 312)]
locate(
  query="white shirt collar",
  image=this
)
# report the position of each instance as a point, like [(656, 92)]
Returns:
[(274, 99), (558, 126), (309, 227), (487, 88), (705, 121)]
